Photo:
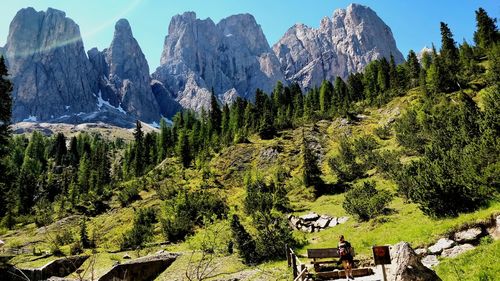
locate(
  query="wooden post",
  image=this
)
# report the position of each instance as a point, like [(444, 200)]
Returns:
[(301, 270), (287, 251), (294, 266), (383, 272)]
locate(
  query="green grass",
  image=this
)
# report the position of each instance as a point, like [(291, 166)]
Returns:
[(480, 264)]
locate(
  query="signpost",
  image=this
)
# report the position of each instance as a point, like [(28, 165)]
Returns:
[(381, 255)]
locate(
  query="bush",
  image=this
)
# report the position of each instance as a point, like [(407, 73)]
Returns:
[(264, 197), (273, 234), (344, 165), (142, 231), (64, 237), (244, 242), (128, 194), (188, 209), (383, 132), (76, 248), (365, 201)]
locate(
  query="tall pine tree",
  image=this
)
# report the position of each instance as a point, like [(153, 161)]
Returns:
[(487, 32)]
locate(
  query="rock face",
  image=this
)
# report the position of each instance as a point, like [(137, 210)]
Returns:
[(343, 44), (49, 69), (232, 57), (406, 265), (123, 75)]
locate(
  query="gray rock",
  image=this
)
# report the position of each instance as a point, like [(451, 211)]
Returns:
[(457, 250), (310, 217), (494, 231), (51, 74), (429, 261), (126, 256), (406, 265), (420, 251), (342, 220), (333, 222), (123, 75), (322, 222), (441, 244), (468, 235), (343, 44), (233, 57)]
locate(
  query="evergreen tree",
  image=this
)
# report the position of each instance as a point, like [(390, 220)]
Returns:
[(244, 242), (183, 149), (311, 172), (487, 32), (325, 97), (138, 149), (355, 86), (74, 156), (449, 59), (84, 237), (215, 114), (59, 149), (340, 97), (164, 140), (5, 109), (413, 68)]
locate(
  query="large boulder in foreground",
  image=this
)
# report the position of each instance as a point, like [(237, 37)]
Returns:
[(141, 269), (406, 265)]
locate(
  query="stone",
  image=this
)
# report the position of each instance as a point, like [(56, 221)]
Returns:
[(141, 269), (50, 72), (126, 256), (342, 220), (406, 265), (441, 244), (231, 57), (429, 261), (322, 222), (333, 222), (457, 250), (56, 268), (123, 75), (468, 235), (420, 251), (310, 217), (343, 44), (494, 230)]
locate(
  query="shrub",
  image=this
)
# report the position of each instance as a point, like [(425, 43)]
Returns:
[(365, 201), (142, 231), (383, 132), (188, 209), (273, 234), (264, 197), (128, 194), (344, 165), (64, 237), (76, 248)]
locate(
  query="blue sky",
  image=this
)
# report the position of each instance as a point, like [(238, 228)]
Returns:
[(414, 24)]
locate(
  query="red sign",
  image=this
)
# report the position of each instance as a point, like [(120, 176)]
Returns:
[(381, 255)]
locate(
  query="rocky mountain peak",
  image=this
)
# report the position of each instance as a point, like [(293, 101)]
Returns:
[(343, 44), (47, 61), (231, 57)]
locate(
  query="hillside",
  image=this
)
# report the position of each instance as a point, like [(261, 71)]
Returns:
[(405, 222)]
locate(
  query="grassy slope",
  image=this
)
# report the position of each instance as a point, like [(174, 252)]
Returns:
[(405, 223)]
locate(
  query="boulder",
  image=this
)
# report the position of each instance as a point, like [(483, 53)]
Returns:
[(333, 222), (441, 244), (310, 217), (406, 265), (494, 231), (430, 261), (457, 250), (126, 256), (322, 222), (468, 235), (141, 269), (342, 220), (420, 251)]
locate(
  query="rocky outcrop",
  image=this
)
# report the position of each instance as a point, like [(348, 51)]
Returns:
[(457, 250), (406, 265), (56, 268), (123, 75), (232, 57), (468, 235), (441, 244), (51, 75), (313, 222), (141, 269), (343, 44)]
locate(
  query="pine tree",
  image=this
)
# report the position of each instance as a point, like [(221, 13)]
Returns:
[(5, 108), (311, 172), (487, 32), (244, 242), (59, 149), (325, 97), (449, 59), (138, 149), (215, 114), (183, 149), (413, 68)]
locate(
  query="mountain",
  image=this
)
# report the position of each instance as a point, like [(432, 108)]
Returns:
[(231, 57), (123, 75), (48, 66), (343, 44)]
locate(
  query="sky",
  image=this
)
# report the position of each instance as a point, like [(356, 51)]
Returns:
[(414, 24)]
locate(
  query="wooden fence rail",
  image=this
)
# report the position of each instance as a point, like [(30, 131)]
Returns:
[(299, 269)]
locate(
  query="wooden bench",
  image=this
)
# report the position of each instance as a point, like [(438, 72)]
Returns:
[(323, 256)]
